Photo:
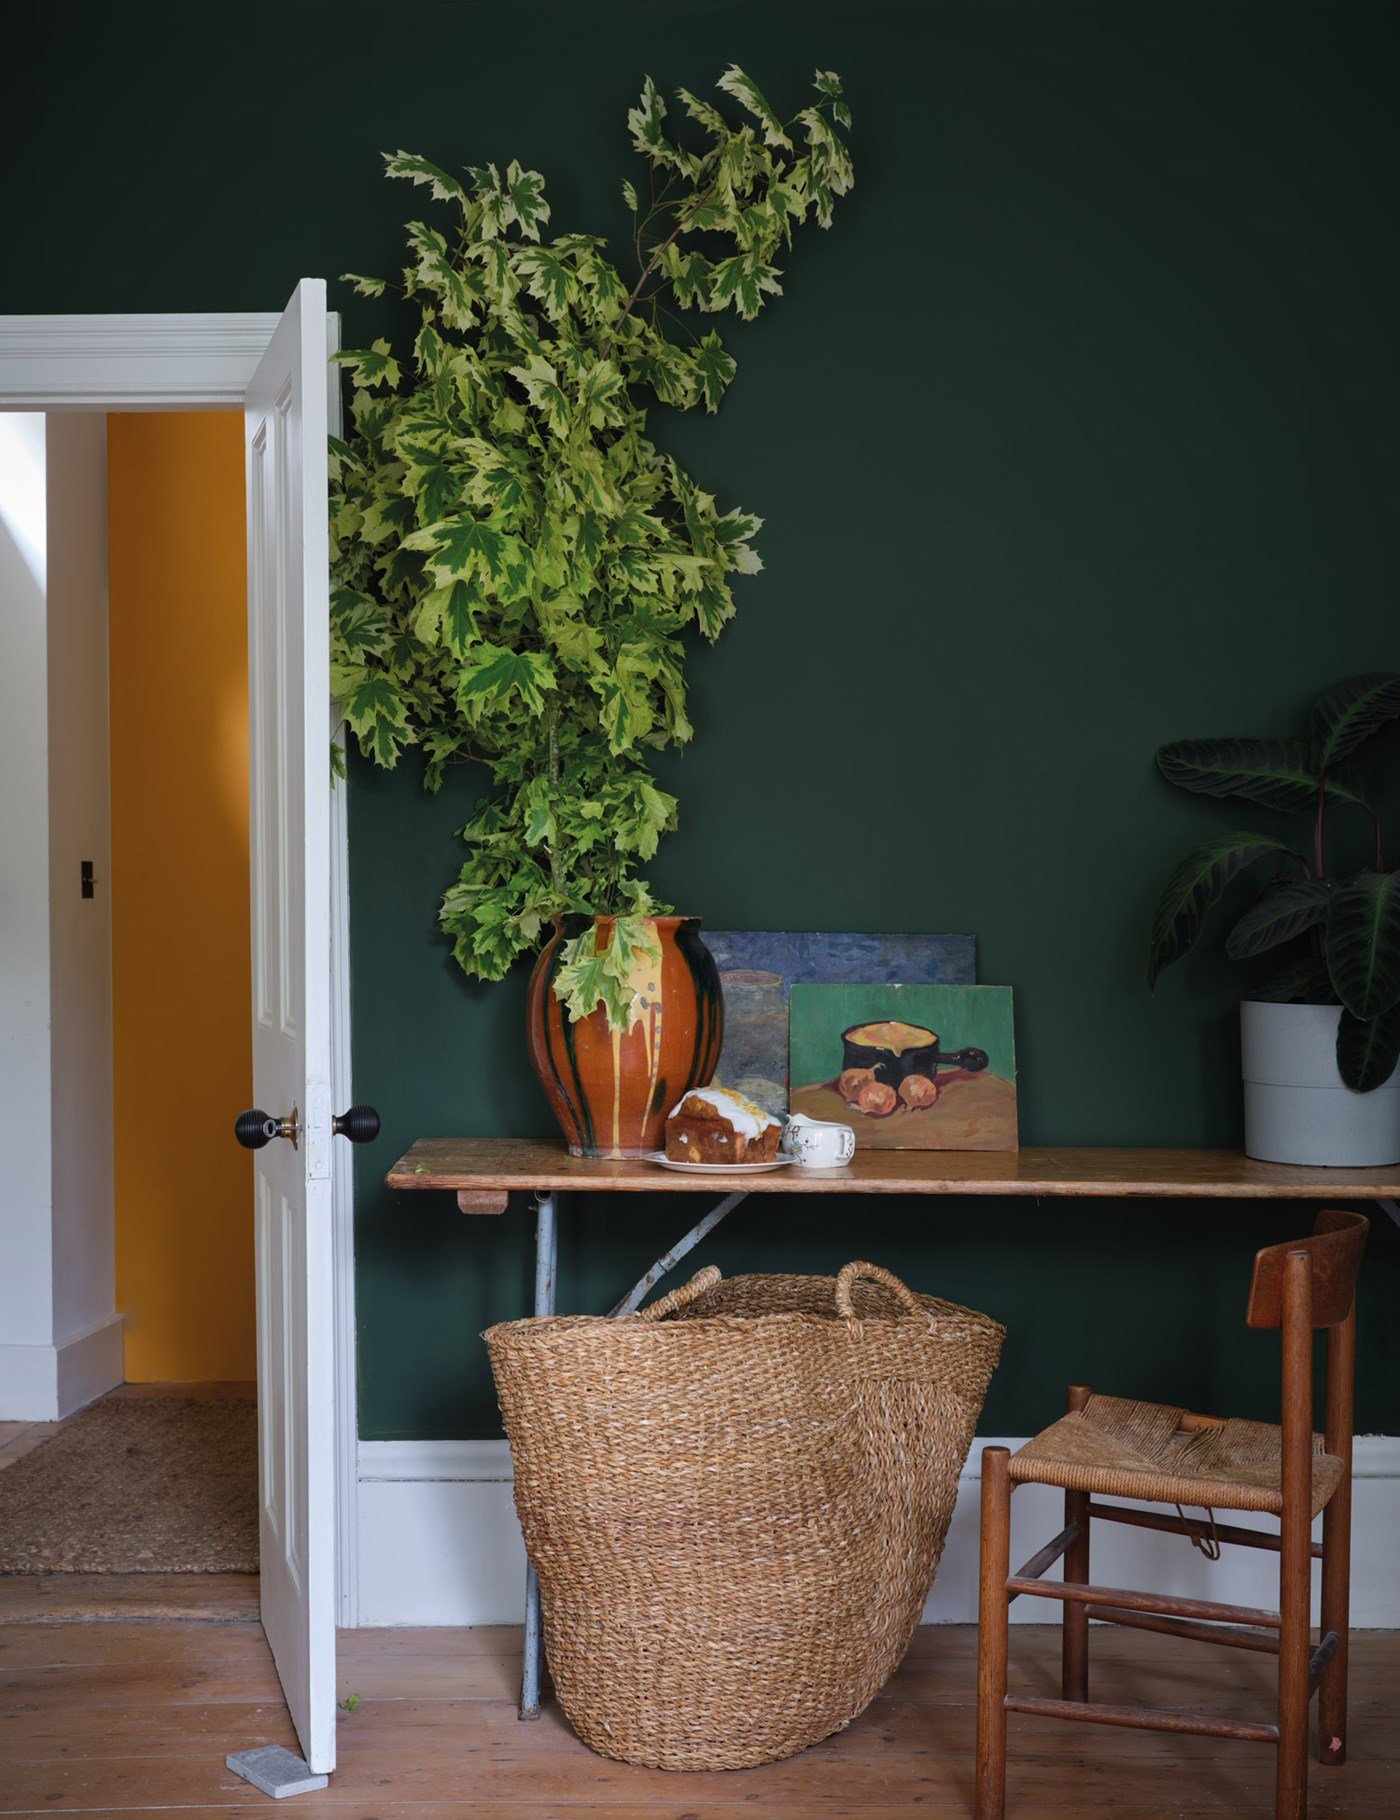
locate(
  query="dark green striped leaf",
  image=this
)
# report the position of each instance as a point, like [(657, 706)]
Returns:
[(1363, 943), (1368, 1049), (1350, 712), (1303, 981), (1279, 916), (1196, 885), (1276, 773)]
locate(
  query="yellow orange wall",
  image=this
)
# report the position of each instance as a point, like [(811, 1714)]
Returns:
[(180, 973)]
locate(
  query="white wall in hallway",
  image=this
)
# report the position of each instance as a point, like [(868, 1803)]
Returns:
[(25, 1234), (60, 1340), (80, 929)]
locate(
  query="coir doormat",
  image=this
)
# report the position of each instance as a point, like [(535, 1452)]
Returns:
[(136, 1485)]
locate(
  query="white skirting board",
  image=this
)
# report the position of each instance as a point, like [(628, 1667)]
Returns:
[(439, 1542), (43, 1383)]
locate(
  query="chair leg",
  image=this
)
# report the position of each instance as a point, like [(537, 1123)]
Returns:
[(1074, 1642), (1336, 1543), (992, 1621), (1335, 1616), (1293, 1652), (1295, 1542)]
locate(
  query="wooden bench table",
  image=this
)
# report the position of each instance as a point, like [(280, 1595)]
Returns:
[(482, 1172)]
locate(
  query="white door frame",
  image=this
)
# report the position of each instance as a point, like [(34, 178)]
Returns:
[(203, 362)]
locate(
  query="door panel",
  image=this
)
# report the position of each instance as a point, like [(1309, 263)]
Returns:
[(289, 689)]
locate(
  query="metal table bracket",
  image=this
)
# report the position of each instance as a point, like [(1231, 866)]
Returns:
[(669, 1259)]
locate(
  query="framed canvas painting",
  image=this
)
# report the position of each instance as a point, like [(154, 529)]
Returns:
[(759, 967), (909, 1067)]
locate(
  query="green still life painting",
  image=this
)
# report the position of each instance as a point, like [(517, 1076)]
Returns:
[(908, 1067)]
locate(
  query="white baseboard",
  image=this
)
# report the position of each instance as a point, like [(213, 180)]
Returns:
[(43, 1383), (439, 1542)]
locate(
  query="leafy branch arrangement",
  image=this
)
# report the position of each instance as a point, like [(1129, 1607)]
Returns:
[(514, 562), (1351, 926)]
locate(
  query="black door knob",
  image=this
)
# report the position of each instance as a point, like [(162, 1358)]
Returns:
[(253, 1129), (360, 1124)]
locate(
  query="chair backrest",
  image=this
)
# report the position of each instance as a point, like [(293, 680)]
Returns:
[(1335, 1249)]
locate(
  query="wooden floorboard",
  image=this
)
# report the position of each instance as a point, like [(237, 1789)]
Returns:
[(26, 1646), (318, 1807), (127, 1598), (132, 1718)]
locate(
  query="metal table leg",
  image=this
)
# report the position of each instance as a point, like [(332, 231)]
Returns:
[(546, 1263), (1392, 1208), (546, 1260), (669, 1259)]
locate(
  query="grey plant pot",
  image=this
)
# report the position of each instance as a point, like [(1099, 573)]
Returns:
[(1297, 1109)]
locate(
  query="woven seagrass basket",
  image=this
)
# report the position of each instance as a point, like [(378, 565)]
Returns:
[(736, 1500)]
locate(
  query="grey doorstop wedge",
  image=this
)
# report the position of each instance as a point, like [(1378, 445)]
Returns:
[(275, 1771)]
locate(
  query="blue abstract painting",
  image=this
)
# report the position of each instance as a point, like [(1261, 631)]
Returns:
[(758, 966)]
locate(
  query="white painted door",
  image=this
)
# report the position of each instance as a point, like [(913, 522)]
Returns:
[(289, 690)]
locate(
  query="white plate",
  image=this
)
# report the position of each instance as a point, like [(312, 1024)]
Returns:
[(670, 1162)]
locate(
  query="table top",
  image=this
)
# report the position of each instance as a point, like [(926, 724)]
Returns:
[(457, 1164)]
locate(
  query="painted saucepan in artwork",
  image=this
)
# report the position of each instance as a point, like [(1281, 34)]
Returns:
[(892, 1051)]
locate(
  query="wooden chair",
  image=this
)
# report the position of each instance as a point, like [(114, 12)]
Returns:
[(1106, 1446)]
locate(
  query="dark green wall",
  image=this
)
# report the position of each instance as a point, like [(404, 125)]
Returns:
[(1076, 433)]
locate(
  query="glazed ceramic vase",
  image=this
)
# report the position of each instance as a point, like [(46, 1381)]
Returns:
[(611, 1090)]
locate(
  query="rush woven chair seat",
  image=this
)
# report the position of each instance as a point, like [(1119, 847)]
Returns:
[(1113, 1447), (735, 1502), (1121, 1449)]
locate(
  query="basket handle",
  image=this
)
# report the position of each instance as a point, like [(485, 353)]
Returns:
[(679, 1298), (872, 1274)]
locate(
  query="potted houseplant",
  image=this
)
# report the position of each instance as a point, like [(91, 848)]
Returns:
[(1321, 1033), (516, 566)]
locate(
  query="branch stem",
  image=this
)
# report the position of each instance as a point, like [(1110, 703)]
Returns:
[(552, 725), (682, 224)]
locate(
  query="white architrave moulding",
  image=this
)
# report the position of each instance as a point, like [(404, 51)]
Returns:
[(130, 363)]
